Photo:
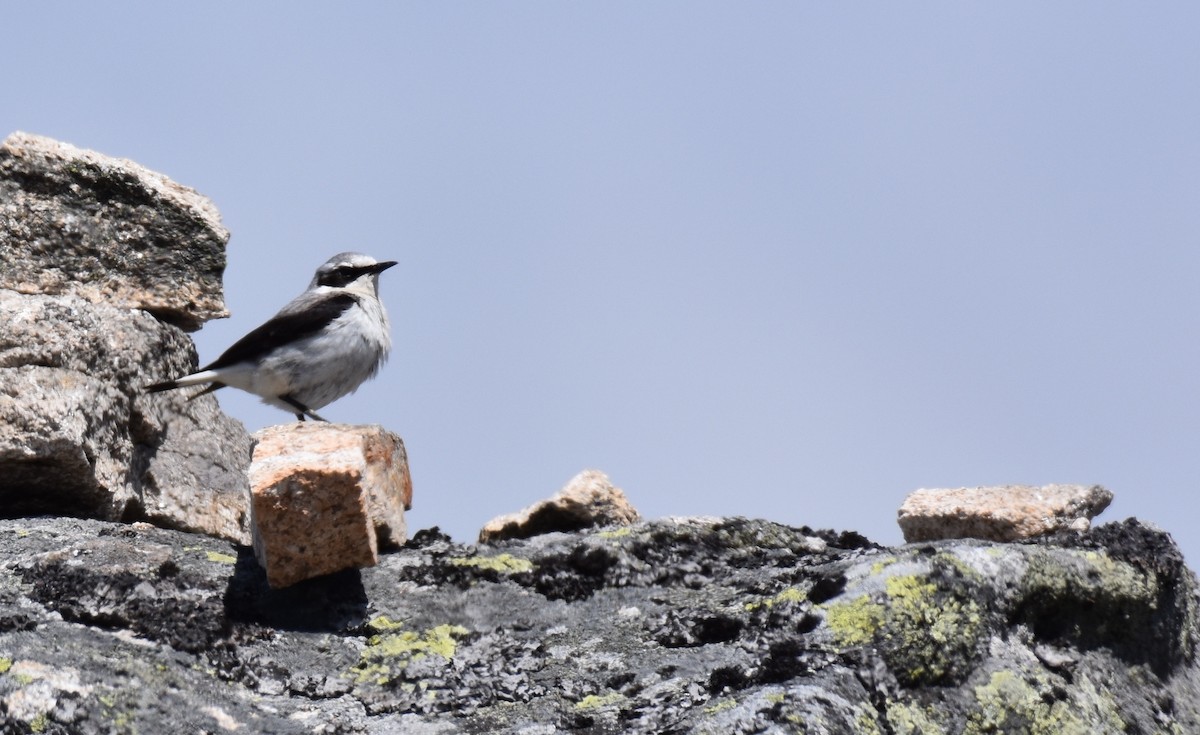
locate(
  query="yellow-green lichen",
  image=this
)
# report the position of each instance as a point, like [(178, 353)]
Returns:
[(387, 653), (1122, 576), (594, 701), (866, 720), (855, 622), (879, 566), (383, 624), (720, 706), (791, 594), (502, 563), (38, 724), (1093, 574), (439, 640), (908, 589), (929, 635), (910, 719), (119, 721), (1098, 705), (5, 665), (207, 670), (220, 558), (616, 532), (1009, 701), (926, 634), (948, 559)]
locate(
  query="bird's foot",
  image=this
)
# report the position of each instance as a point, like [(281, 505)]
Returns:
[(301, 409)]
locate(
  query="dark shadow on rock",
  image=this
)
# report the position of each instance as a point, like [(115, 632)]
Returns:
[(329, 604), (1138, 627), (26, 493)]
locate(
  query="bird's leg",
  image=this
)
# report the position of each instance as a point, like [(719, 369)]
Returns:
[(301, 409)]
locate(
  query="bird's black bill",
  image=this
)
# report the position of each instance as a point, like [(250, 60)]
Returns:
[(381, 267)]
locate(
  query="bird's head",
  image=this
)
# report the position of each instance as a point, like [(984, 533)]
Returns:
[(352, 272)]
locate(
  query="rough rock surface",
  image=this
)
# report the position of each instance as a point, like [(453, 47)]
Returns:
[(78, 438), (1004, 513), (587, 501), (108, 230), (326, 497), (686, 626)]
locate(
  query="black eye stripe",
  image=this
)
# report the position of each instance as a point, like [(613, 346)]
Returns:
[(342, 275)]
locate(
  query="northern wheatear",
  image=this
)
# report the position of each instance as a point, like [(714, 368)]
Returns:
[(318, 348)]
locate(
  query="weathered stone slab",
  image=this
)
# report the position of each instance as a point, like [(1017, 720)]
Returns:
[(1006, 513), (73, 221), (326, 497), (588, 500)]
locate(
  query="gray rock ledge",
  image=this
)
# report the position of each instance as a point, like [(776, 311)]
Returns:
[(681, 626)]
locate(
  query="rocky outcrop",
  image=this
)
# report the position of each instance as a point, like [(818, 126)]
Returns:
[(567, 620), (701, 625), (82, 238), (73, 221)]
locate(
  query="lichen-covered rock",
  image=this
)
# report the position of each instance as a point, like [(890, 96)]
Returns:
[(73, 221), (686, 625), (77, 437)]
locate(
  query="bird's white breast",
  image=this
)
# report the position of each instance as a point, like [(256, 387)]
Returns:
[(332, 363)]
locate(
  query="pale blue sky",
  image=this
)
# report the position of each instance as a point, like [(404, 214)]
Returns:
[(782, 260)]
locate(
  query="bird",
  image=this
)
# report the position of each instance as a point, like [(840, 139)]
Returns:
[(323, 345)]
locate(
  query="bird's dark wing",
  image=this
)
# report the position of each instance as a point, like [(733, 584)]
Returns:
[(287, 326)]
